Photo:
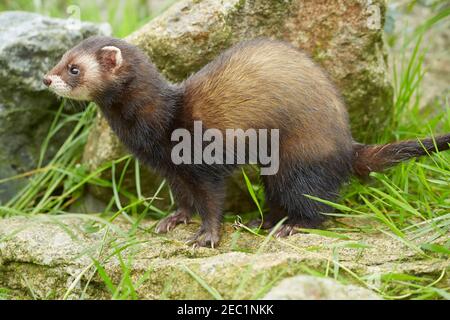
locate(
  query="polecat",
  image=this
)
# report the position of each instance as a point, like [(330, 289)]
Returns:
[(259, 83)]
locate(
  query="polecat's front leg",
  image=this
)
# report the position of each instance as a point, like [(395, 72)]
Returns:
[(208, 200), (179, 216), (185, 202)]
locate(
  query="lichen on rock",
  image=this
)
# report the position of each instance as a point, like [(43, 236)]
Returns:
[(55, 255), (314, 288)]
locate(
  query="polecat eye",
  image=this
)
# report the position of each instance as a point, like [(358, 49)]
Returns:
[(73, 70)]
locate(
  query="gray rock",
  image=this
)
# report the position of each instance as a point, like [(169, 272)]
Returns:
[(315, 288), (30, 44), (345, 37), (53, 256)]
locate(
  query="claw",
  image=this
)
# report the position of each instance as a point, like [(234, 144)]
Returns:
[(170, 222), (286, 230), (205, 238)]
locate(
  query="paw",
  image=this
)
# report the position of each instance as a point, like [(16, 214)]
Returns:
[(171, 221), (205, 238), (258, 223), (286, 230)]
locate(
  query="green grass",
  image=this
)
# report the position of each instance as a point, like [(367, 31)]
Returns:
[(405, 203)]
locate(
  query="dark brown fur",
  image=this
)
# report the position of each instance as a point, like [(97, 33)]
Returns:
[(256, 84), (375, 158)]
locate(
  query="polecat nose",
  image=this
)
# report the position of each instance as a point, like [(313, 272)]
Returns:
[(47, 81)]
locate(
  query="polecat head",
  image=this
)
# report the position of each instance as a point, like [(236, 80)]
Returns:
[(88, 69)]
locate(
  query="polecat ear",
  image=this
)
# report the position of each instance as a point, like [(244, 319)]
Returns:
[(111, 57)]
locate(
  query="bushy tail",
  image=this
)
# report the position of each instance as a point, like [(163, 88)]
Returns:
[(375, 158)]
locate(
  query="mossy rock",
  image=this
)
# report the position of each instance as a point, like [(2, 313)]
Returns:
[(55, 256)]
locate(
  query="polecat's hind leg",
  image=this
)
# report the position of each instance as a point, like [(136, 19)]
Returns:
[(185, 202), (270, 219), (287, 190), (291, 227)]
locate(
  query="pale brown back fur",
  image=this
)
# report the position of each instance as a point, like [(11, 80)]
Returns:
[(270, 84)]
